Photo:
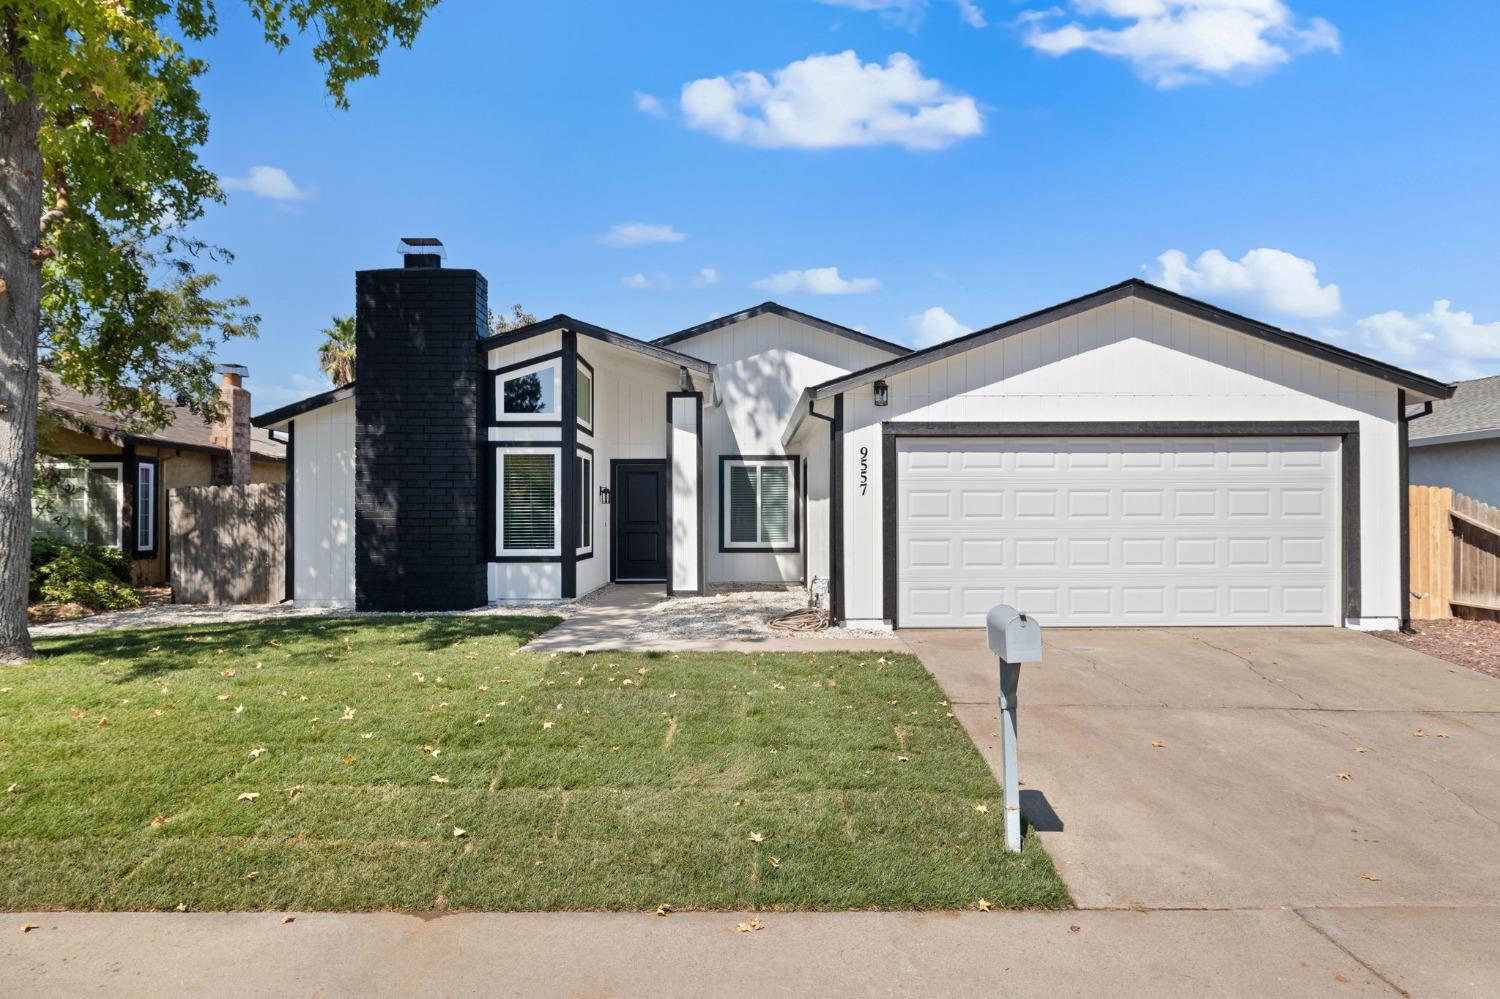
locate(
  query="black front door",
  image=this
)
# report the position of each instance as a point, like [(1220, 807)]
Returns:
[(639, 499)]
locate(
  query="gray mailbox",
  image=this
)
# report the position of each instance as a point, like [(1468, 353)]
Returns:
[(1015, 638)]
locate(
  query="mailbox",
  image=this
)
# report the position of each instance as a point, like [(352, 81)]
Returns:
[(1014, 637)]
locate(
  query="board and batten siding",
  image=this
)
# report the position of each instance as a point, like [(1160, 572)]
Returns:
[(764, 363), (323, 501), (1127, 361)]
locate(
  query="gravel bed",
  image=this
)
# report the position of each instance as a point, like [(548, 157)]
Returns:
[(1475, 644), (730, 613)]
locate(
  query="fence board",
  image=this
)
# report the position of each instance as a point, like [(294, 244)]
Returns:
[(228, 544), (1476, 557), (1455, 555)]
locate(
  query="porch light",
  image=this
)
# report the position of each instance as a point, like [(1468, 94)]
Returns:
[(882, 394)]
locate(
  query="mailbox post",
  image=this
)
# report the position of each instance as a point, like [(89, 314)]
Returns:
[(1015, 639)]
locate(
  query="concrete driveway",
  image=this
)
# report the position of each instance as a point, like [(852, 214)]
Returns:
[(1290, 767)]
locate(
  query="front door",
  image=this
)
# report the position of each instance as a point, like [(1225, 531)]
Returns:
[(640, 521)]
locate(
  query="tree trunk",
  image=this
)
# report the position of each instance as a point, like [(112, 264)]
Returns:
[(20, 315)]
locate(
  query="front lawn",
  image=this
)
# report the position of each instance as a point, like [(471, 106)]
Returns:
[(356, 764)]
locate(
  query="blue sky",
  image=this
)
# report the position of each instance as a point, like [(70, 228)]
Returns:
[(1327, 166)]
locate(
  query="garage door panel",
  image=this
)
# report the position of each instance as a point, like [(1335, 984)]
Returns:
[(1119, 531)]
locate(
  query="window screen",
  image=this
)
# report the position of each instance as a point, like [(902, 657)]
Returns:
[(529, 502)]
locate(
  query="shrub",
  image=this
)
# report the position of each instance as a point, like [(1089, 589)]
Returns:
[(92, 575)]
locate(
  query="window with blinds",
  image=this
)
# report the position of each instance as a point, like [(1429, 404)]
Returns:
[(528, 502), (758, 499)]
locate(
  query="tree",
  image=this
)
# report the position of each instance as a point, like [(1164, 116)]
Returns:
[(100, 120), (519, 317), (336, 352)]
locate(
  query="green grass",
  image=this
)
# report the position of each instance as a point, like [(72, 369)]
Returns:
[(644, 789)]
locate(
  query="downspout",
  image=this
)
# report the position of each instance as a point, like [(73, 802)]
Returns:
[(1404, 476)]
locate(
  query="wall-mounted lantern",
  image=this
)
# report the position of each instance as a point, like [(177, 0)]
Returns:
[(882, 394), (604, 495)]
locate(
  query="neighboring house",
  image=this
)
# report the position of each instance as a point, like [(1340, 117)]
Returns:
[(1129, 457), (116, 480), (1458, 444)]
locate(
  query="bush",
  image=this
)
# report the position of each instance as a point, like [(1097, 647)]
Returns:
[(92, 575)]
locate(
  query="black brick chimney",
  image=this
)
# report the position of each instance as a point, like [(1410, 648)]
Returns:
[(417, 483)]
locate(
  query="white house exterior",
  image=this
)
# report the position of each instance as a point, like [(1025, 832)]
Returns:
[(1131, 457)]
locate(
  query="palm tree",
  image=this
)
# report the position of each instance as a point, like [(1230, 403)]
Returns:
[(336, 353)]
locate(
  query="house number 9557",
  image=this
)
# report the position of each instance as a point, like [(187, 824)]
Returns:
[(864, 470)]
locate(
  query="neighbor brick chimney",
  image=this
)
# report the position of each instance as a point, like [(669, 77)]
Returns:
[(233, 431)]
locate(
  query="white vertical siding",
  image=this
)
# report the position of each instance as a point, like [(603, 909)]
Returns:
[(685, 498), (764, 363), (323, 507), (1129, 361)]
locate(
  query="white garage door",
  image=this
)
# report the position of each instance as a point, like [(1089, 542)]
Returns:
[(1119, 531)]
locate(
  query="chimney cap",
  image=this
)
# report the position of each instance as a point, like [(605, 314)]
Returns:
[(231, 369), (422, 244)]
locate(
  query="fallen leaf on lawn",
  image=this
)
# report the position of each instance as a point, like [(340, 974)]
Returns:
[(257, 752), (460, 832), (1158, 744), (248, 796), (438, 779), (1360, 749), (756, 837), (778, 686), (755, 924), (288, 919), (348, 714), (13, 789), (1343, 776), (546, 724), (182, 907), (239, 709), (1369, 877), (737, 804), (775, 862), (883, 661), (346, 761), (983, 905), (103, 722), (663, 909), (367, 735), (293, 791), (226, 672), (252, 875), (903, 759), (1419, 734), (158, 822), (981, 808), (28, 927), (221, 697)]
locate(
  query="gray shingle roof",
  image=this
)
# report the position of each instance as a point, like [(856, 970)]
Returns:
[(88, 414), (1474, 408)]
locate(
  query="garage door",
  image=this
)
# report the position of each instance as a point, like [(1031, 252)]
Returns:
[(1126, 531)]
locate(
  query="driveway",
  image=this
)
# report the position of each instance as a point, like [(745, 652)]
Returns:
[(1297, 767)]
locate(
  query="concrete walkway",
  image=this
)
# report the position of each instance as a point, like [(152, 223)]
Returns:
[(1226, 955)]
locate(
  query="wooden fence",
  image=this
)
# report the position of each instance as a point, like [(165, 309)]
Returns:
[(228, 544), (1455, 555)]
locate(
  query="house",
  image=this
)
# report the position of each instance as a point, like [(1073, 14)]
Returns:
[(1458, 445), (115, 480), (1128, 457)]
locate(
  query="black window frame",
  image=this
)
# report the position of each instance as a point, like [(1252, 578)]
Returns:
[(794, 503)]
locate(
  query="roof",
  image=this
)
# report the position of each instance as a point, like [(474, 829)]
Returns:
[(1136, 288), (1472, 414), (187, 430), (773, 308), (295, 409), (563, 322)]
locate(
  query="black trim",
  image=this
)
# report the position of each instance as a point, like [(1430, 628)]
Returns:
[(1349, 447), (289, 557), (671, 500), (297, 408), (563, 322), (1403, 503), (776, 309), (127, 505), (794, 460), (593, 395), (836, 512), (570, 501), (806, 562), (1136, 288), (495, 418), (156, 508), (586, 501), (615, 464)]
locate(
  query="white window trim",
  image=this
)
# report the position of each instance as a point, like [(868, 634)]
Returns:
[(555, 366), (586, 514), (793, 507), (145, 495), (119, 518), (500, 550)]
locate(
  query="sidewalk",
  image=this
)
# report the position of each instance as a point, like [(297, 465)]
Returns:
[(1224, 954)]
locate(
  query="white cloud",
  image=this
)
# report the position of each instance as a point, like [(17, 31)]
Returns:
[(832, 101), (1175, 42), (909, 12), (267, 182), (636, 281), (934, 326), (649, 104), (1445, 343), (816, 281), (1273, 279), (706, 276), (640, 234)]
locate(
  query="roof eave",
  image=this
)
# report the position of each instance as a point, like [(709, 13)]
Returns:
[(295, 409), (776, 308), (1485, 434), (564, 322)]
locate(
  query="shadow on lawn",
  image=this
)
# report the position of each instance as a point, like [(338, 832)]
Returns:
[(154, 651)]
